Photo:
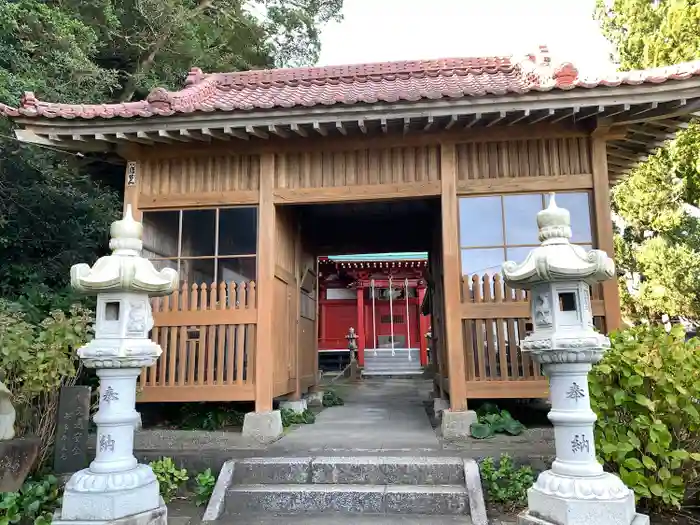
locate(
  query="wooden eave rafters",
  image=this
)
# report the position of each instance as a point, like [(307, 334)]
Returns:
[(642, 117)]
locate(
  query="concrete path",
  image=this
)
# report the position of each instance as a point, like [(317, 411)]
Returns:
[(379, 416)]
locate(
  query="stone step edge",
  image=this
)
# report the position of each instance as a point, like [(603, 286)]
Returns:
[(475, 497), (300, 487), (357, 460)]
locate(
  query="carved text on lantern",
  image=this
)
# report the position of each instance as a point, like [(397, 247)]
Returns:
[(580, 444), (106, 443), (575, 392), (110, 395)]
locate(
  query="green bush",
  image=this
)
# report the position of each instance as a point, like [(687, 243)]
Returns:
[(209, 416), (170, 478), (204, 487), (38, 359), (645, 392), (34, 504), (290, 417), (492, 421), (331, 399), (505, 484)]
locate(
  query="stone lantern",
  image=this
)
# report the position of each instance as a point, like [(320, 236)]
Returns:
[(558, 274), (116, 487)]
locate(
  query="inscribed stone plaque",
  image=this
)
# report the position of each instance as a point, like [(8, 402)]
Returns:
[(72, 423), (17, 456)]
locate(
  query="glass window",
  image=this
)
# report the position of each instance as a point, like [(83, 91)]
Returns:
[(482, 261), (483, 221), (186, 241), (198, 233), (161, 231), (480, 222), (520, 212), (238, 232), (237, 269), (580, 209)]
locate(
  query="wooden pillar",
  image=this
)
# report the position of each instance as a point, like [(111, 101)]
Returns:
[(131, 188), (422, 329), (451, 277), (264, 350), (296, 311), (604, 227), (361, 335)]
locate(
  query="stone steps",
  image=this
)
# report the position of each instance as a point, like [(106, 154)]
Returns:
[(386, 364), (357, 499), (349, 486), (346, 519)]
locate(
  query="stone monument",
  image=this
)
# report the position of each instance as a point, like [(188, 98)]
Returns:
[(17, 455), (558, 274), (115, 488)]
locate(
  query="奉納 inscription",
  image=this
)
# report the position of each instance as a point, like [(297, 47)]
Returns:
[(575, 392), (106, 443), (580, 444), (110, 395)]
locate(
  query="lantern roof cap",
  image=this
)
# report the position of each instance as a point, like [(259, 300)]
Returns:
[(125, 270), (556, 259)]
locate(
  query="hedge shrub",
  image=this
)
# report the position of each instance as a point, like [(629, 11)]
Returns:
[(645, 392)]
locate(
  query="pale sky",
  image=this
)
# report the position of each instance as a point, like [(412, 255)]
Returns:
[(386, 30)]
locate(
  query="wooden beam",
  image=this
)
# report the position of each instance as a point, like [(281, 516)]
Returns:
[(186, 393), (299, 130), (153, 137), (361, 125), (496, 120), (452, 277), (341, 128), (473, 120), (356, 193), (219, 135), (264, 345), (517, 119), (174, 137), (207, 198), (428, 125), (239, 134), (276, 130), (542, 183), (383, 124), (453, 120), (547, 114), (566, 114), (604, 229), (254, 130), (406, 125), (320, 129), (194, 135)]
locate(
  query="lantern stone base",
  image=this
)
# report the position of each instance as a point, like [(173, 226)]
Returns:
[(158, 516), (297, 406), (457, 425), (553, 509), (93, 497), (264, 427)]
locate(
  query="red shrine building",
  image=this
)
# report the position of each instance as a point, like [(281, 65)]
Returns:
[(381, 297)]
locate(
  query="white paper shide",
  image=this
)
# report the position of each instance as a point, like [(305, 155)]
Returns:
[(559, 275), (116, 485)]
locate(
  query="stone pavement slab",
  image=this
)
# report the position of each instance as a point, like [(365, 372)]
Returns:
[(379, 415), (347, 519)]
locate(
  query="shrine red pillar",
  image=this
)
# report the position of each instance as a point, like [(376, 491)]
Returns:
[(361, 336), (423, 328)]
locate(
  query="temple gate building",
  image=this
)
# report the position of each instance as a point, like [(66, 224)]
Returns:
[(243, 180)]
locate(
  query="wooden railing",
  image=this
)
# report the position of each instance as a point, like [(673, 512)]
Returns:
[(495, 318), (207, 334)]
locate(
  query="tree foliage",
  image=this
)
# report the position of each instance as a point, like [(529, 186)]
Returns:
[(55, 207), (661, 241)]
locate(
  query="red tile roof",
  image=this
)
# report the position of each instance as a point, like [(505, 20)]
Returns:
[(364, 83)]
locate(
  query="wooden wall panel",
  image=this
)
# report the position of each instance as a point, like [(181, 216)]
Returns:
[(523, 158), (285, 236), (318, 169), (222, 173)]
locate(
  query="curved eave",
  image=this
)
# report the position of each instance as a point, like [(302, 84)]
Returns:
[(638, 120)]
